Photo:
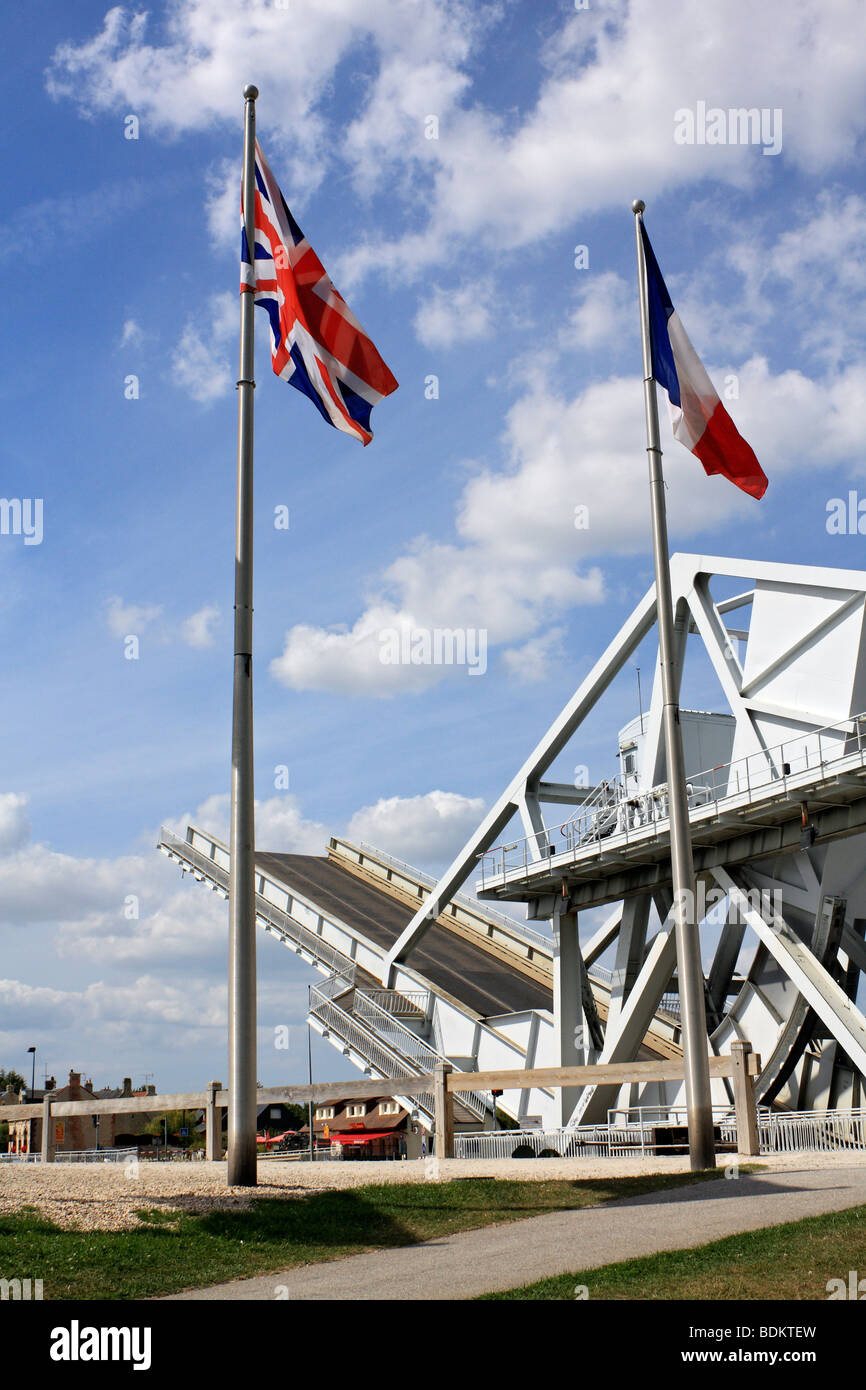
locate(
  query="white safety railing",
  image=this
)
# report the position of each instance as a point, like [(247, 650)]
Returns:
[(75, 1156), (590, 1142), (479, 910), (670, 1004), (366, 1043), (268, 915), (613, 815), (640, 1133), (812, 1131), (403, 1041), (406, 1002)]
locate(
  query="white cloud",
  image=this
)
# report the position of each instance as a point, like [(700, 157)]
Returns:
[(604, 304), (126, 618), (189, 75), (452, 316), (201, 361), (587, 451), (601, 130), (573, 490), (197, 630), (820, 265), (420, 829), (190, 1004), (280, 824), (14, 825), (531, 663), (468, 590), (131, 334)]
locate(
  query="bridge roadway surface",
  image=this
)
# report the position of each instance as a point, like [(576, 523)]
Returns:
[(520, 1252), (481, 981)]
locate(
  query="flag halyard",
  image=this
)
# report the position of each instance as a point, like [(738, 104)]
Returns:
[(317, 343)]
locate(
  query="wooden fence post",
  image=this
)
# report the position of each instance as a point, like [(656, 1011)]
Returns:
[(213, 1138), (748, 1140), (47, 1131), (443, 1111)]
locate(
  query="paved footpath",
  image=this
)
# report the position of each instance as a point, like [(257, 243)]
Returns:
[(520, 1252)]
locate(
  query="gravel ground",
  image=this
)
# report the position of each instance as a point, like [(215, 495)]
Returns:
[(106, 1196)]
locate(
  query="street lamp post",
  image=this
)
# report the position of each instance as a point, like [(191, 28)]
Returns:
[(310, 1076), (33, 1073)]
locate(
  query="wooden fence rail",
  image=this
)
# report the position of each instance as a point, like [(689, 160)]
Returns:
[(742, 1065)]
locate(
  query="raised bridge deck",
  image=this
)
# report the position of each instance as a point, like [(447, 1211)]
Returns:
[(482, 981)]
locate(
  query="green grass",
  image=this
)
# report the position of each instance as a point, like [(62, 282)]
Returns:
[(174, 1250), (790, 1262)]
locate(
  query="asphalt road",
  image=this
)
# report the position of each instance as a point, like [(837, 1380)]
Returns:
[(520, 1252)]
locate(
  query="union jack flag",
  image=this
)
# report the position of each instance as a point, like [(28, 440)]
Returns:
[(317, 344)]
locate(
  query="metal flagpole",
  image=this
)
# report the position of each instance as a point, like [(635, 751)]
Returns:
[(690, 973), (242, 915)]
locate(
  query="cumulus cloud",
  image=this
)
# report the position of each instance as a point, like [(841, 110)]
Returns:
[(531, 662), (14, 825), (572, 491), (425, 829), (189, 74), (131, 334), (600, 128), (201, 361), (450, 316), (819, 263), (465, 598), (197, 629), (146, 999), (125, 618), (280, 824), (604, 303)]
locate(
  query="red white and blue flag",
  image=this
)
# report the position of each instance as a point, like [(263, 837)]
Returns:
[(317, 344), (699, 419)]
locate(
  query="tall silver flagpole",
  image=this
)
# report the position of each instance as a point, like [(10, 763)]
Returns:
[(242, 915), (690, 973)]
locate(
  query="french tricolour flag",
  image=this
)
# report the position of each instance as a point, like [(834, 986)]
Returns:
[(317, 344), (699, 419)]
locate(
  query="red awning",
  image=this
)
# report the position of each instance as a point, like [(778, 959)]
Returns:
[(358, 1137)]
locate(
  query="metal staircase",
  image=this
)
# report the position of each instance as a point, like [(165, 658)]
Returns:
[(379, 1040)]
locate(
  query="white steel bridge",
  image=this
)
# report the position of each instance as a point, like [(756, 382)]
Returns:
[(777, 777)]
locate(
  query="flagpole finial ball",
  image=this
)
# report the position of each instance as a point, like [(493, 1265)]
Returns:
[(250, 92), (638, 205)]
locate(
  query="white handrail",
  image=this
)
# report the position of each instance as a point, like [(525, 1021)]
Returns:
[(479, 910), (418, 1052), (649, 808)]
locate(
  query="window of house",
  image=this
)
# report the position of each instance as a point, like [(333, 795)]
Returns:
[(389, 1107), (355, 1111), (275, 1112), (325, 1112)]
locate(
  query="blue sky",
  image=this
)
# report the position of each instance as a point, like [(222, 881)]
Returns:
[(458, 255)]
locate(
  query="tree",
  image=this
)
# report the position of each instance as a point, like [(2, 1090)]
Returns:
[(13, 1079)]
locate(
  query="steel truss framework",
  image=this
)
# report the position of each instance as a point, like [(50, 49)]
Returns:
[(781, 841)]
